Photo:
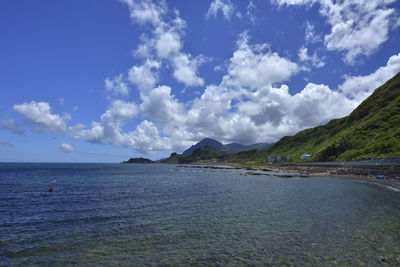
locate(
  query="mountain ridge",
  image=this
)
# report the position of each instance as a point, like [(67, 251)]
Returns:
[(228, 148), (372, 130)]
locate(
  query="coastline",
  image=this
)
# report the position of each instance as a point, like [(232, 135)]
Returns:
[(365, 173)]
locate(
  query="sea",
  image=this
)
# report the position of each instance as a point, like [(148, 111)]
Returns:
[(163, 215)]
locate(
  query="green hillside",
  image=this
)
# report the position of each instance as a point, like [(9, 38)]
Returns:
[(372, 130), (210, 155)]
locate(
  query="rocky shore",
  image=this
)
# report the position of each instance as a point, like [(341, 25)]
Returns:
[(391, 174)]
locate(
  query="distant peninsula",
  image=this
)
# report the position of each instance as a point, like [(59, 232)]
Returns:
[(139, 161)]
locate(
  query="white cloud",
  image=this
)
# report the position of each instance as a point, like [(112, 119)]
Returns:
[(266, 105), (358, 27), (109, 129), (360, 87), (208, 112), (317, 104), (168, 43), (116, 85), (146, 138), (66, 148), (256, 66), (225, 6), (162, 107), (185, 69), (146, 11), (269, 113), (162, 47), (145, 76), (360, 37), (119, 111), (95, 134), (39, 114), (314, 60)]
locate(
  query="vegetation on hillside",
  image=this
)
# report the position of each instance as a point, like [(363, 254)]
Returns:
[(372, 130), (211, 155)]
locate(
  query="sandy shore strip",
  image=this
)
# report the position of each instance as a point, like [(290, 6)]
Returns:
[(366, 173)]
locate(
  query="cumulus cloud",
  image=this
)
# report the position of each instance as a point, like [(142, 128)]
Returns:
[(265, 114), (360, 87), (116, 85), (147, 138), (208, 112), (357, 27), (186, 69), (39, 114), (317, 104), (163, 46), (66, 148), (167, 43), (162, 107), (119, 111), (225, 6), (255, 66), (145, 76), (108, 130)]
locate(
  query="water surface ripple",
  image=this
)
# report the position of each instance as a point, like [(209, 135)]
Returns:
[(162, 215)]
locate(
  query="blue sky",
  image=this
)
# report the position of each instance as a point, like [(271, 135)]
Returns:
[(102, 81)]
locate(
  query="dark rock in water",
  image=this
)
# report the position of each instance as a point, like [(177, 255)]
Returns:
[(139, 160)]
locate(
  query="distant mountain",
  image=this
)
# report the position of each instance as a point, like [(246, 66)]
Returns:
[(229, 148), (203, 143), (372, 130), (139, 160)]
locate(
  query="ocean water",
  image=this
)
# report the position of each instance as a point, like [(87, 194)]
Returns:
[(120, 214)]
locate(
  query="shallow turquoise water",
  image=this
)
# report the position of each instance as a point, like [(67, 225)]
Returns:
[(163, 215)]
